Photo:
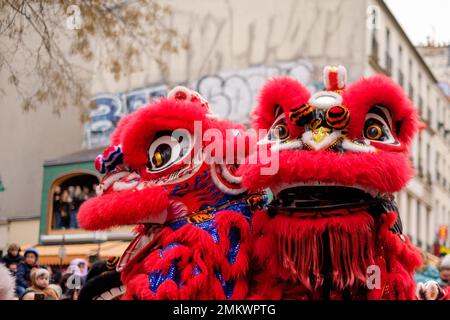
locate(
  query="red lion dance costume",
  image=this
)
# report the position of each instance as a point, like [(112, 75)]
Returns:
[(192, 215), (333, 230)]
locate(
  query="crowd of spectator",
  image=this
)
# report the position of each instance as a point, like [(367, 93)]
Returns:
[(34, 281), (66, 202)]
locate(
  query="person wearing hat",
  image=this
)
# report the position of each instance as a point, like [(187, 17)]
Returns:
[(23, 280), (40, 281), (12, 256), (444, 268)]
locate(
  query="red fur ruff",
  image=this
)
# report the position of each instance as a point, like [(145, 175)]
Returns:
[(301, 248), (328, 257), (198, 259), (353, 244)]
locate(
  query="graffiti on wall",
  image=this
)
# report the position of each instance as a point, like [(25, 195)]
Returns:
[(231, 95), (110, 108)]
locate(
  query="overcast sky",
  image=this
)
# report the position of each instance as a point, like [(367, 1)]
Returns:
[(422, 18)]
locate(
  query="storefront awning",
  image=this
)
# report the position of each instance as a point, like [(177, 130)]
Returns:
[(50, 254)]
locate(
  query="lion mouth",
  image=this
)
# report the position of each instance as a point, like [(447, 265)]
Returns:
[(314, 198), (142, 243)]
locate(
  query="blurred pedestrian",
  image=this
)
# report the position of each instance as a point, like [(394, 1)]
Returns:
[(13, 268), (71, 285), (78, 267), (23, 280), (77, 200), (6, 284), (12, 255), (444, 269), (57, 289), (64, 217), (57, 206), (40, 281)]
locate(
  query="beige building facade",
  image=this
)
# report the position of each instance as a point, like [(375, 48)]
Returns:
[(425, 204)]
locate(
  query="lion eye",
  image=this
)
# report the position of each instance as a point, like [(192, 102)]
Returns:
[(280, 132), (378, 126), (374, 132), (168, 149), (162, 155)]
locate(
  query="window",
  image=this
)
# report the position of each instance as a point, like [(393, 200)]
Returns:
[(66, 196), (400, 63), (418, 213), (428, 175), (429, 115), (419, 146), (388, 55), (427, 229), (438, 167), (410, 87), (440, 116), (448, 60)]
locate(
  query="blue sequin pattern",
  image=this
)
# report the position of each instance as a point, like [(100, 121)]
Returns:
[(235, 238), (237, 204), (227, 286), (157, 278)]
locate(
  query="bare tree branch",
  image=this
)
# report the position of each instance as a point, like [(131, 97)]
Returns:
[(34, 32)]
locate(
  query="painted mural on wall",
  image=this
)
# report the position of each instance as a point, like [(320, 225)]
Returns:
[(110, 108), (231, 95)]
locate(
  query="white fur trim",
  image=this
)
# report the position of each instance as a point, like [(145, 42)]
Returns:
[(349, 145), (296, 144), (229, 176), (341, 76), (221, 186), (326, 78), (325, 99)]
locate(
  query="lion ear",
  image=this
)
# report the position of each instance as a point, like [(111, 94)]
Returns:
[(279, 94)]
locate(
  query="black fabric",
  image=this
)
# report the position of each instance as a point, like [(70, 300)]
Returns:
[(100, 284)]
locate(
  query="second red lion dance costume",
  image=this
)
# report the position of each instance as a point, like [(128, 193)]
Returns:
[(333, 230)]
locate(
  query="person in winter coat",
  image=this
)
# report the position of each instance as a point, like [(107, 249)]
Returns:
[(78, 267), (23, 280), (12, 256), (444, 268), (40, 280)]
